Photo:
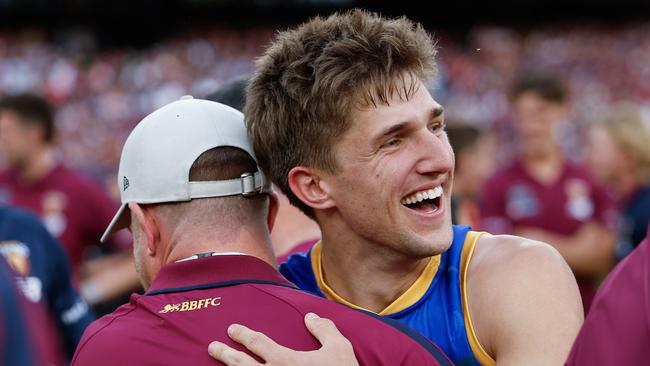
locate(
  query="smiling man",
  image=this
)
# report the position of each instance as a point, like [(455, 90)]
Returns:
[(341, 120)]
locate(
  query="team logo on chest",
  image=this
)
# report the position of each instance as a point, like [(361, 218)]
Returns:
[(191, 305)]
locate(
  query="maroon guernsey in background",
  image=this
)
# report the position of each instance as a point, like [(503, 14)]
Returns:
[(617, 329), (512, 198), (191, 303), (74, 209)]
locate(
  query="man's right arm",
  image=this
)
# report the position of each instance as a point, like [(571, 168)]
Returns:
[(524, 301)]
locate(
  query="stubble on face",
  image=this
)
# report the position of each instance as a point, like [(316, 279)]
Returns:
[(371, 182)]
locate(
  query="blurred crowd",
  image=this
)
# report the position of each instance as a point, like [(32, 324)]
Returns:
[(100, 93)]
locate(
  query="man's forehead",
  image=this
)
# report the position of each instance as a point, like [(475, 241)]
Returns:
[(420, 105)]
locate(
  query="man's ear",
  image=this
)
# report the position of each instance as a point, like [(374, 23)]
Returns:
[(274, 205), (148, 225), (307, 184)]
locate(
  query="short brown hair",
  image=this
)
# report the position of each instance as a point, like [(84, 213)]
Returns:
[(306, 85), (32, 110), (547, 86)]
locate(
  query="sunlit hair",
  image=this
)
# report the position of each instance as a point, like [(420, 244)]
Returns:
[(311, 78), (626, 126)]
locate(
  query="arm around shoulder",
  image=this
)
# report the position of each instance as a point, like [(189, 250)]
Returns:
[(524, 301)]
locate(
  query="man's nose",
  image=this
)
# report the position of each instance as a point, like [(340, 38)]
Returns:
[(435, 153)]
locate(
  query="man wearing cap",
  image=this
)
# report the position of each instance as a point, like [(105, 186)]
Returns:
[(200, 212)]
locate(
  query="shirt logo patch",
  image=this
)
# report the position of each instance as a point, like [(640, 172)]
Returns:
[(521, 202), (17, 255), (125, 183), (191, 305)]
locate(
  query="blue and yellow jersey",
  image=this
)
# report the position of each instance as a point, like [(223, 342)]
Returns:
[(435, 304)]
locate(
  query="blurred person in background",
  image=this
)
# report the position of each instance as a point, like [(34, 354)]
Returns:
[(618, 153), (293, 231), (475, 152), (543, 196), (73, 208), (27, 335), (42, 273)]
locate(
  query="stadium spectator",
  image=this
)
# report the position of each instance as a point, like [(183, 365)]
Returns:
[(341, 120), (293, 232), (73, 208), (618, 152), (43, 274), (543, 196), (200, 213), (475, 152)]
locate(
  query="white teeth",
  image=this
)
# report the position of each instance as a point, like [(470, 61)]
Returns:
[(423, 195)]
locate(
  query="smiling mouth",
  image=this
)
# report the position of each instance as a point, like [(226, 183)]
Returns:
[(425, 201)]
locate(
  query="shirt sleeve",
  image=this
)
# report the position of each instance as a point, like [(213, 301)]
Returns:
[(70, 310), (15, 343)]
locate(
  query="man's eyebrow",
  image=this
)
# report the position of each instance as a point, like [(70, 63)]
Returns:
[(392, 130), (437, 111)]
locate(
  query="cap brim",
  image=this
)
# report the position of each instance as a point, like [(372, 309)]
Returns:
[(121, 220)]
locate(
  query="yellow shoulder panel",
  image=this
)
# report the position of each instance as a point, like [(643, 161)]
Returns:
[(468, 250), (408, 298)]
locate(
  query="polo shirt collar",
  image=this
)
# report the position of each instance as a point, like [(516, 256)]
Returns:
[(217, 270)]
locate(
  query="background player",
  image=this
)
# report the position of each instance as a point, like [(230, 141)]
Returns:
[(545, 196), (42, 273), (73, 207)]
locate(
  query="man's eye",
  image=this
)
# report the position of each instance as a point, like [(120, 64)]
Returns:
[(437, 127), (390, 143)]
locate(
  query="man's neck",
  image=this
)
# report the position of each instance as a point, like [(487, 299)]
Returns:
[(365, 274), (38, 166), (545, 166), (245, 244), (626, 184)]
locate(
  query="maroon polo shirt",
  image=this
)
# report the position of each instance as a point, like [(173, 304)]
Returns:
[(513, 198), (617, 329), (74, 209), (192, 303)]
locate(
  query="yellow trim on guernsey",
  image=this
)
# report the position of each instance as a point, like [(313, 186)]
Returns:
[(408, 298), (468, 250)]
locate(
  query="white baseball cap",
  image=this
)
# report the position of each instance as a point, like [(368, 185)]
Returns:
[(158, 154)]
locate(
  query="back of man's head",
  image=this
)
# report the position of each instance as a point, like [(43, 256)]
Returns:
[(191, 163), (222, 216), (32, 110)]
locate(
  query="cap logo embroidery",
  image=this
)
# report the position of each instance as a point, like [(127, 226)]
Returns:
[(125, 183), (191, 305)]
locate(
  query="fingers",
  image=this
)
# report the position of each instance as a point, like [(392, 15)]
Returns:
[(324, 330), (336, 348), (256, 342), (230, 356)]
